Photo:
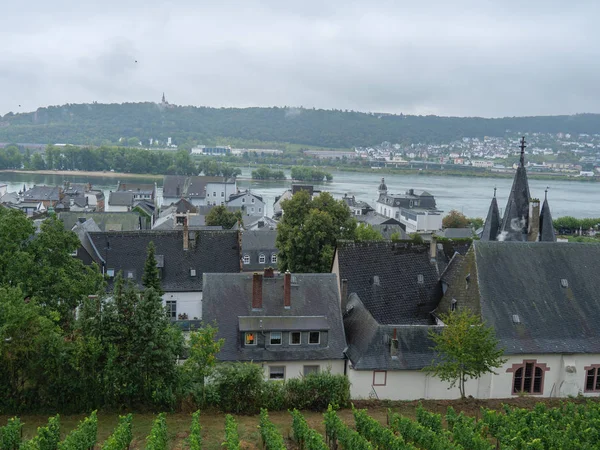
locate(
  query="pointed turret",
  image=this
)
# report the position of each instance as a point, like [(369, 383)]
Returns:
[(546, 226), (491, 227), (515, 223), (382, 187)]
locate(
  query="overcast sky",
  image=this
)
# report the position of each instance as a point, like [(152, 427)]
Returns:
[(479, 58)]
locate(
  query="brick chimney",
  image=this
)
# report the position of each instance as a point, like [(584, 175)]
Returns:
[(287, 290), (534, 221), (185, 233), (257, 281), (269, 272)]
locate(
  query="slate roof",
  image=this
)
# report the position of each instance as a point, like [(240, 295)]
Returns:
[(255, 242), (242, 194), (524, 279), (398, 295), (228, 297), (491, 228), (209, 251), (106, 221), (120, 198), (369, 343), (387, 230), (456, 233), (42, 193), (373, 218), (146, 188), (546, 226)]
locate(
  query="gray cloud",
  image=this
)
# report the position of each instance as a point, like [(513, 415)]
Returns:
[(431, 57)]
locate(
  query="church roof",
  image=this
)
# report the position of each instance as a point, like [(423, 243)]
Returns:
[(492, 222)]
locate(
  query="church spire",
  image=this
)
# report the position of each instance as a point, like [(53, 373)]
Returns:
[(163, 98), (546, 226), (522, 159), (491, 226)]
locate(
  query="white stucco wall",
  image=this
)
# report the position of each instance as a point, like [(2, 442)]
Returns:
[(295, 369), (251, 209), (566, 377), (187, 302)]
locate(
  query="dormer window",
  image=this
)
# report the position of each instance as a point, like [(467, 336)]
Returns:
[(262, 259), (314, 337), (420, 278), (192, 272), (246, 259), (564, 283), (110, 273), (274, 258), (275, 337), (250, 338), (129, 274), (295, 338)]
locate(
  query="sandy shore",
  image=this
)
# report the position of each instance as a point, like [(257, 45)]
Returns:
[(84, 173)]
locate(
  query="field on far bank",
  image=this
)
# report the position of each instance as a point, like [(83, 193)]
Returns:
[(213, 423)]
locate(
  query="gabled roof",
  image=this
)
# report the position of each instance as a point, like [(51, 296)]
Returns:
[(373, 218), (242, 194), (519, 290), (369, 343), (491, 228), (191, 187), (396, 281), (106, 221), (259, 240), (42, 193), (148, 188), (209, 251), (387, 230), (227, 300), (120, 198), (456, 233), (546, 225)]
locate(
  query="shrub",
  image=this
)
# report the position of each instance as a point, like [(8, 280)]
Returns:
[(239, 387), (306, 437), (318, 390), (274, 395), (10, 434), (270, 435), (158, 438), (82, 437), (195, 439), (121, 438), (232, 439)]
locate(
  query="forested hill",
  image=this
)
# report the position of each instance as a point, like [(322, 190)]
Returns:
[(103, 124)]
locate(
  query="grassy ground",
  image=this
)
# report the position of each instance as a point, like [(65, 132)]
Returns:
[(213, 423)]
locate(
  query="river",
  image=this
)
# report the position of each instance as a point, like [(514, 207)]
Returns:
[(469, 195)]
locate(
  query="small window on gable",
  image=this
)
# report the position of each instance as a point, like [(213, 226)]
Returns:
[(295, 338), (192, 272), (564, 283), (110, 273), (262, 259), (246, 259), (130, 274), (243, 199), (379, 377), (250, 338), (252, 199), (314, 337), (275, 337)]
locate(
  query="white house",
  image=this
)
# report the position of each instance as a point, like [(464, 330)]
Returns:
[(251, 204), (290, 324), (416, 209), (198, 190)]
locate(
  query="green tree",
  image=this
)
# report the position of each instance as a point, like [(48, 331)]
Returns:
[(365, 232), (455, 219), (395, 237), (220, 216), (151, 278), (203, 348), (309, 230), (464, 349), (475, 222)]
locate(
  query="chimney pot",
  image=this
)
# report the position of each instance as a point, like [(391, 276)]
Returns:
[(287, 290), (257, 281)]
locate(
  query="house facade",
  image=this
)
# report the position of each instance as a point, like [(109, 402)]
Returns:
[(198, 190), (140, 191), (416, 210), (259, 250), (290, 324), (251, 204)]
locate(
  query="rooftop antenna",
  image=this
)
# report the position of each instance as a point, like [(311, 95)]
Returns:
[(522, 160)]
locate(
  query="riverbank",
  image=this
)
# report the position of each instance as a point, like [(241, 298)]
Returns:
[(84, 173)]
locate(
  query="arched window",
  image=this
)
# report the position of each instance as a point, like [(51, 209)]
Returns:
[(528, 377), (246, 259), (261, 259)]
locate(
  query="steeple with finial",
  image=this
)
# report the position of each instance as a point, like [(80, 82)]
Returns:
[(491, 227), (163, 99), (382, 187), (522, 159)]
